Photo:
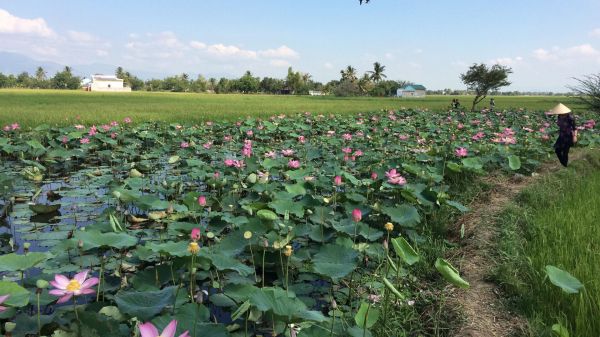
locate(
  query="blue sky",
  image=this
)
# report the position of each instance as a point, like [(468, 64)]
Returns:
[(429, 42)]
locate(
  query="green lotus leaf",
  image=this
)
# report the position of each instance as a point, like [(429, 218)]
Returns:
[(563, 279), (21, 262), (405, 251), (19, 296), (450, 273), (405, 215), (366, 316), (95, 239), (335, 261), (145, 304), (514, 162)]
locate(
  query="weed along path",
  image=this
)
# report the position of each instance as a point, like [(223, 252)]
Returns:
[(484, 313)]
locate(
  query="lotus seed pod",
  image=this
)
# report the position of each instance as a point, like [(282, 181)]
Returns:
[(42, 284), (26, 245), (10, 326)]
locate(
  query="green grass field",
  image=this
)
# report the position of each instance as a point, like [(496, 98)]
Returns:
[(34, 107), (556, 223)]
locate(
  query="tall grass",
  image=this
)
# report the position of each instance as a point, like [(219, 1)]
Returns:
[(60, 107), (556, 223)]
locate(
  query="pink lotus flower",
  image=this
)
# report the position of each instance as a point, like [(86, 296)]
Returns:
[(207, 145), (270, 154), (337, 180), (202, 200), (347, 136), (195, 234), (301, 139), (76, 286), (6, 128), (294, 164), (209, 123), (373, 175), (15, 126), (149, 330), (287, 152), (2, 299), (229, 162), (238, 163), (216, 175), (460, 126), (356, 215), (395, 178), (127, 120), (249, 132), (84, 140), (79, 127), (105, 127), (347, 150), (358, 153), (461, 152), (403, 137), (93, 130), (330, 133), (113, 135), (64, 140), (247, 152), (114, 123), (184, 145), (227, 138)]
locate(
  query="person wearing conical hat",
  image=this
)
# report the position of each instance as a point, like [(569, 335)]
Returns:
[(567, 135)]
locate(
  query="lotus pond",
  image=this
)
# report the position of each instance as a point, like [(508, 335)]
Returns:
[(289, 226)]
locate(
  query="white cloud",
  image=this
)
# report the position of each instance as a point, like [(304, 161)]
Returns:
[(101, 52), (197, 45), (81, 37), (389, 56), (582, 50), (281, 52), (418, 51), (231, 51), (328, 65), (10, 24), (44, 50), (280, 63), (595, 32), (507, 61), (543, 54)]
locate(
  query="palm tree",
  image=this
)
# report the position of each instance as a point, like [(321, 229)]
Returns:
[(365, 84), (377, 72), (349, 74), (40, 74)]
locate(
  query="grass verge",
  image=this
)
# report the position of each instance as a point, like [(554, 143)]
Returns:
[(555, 222)]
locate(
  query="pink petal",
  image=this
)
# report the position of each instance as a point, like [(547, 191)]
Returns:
[(89, 283), (148, 330), (87, 291), (185, 334), (2, 308), (169, 331), (65, 298), (80, 277), (57, 292), (3, 298), (61, 281)]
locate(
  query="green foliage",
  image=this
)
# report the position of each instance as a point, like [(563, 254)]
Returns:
[(481, 79)]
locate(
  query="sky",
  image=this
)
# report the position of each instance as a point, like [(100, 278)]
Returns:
[(546, 43)]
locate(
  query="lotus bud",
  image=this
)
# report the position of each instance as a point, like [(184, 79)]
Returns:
[(26, 246), (41, 284), (337, 180), (202, 200), (80, 244), (288, 251), (356, 215), (326, 200), (265, 243), (385, 245), (309, 211)]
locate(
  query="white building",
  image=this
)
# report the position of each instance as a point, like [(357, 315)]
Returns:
[(105, 83), (413, 90)]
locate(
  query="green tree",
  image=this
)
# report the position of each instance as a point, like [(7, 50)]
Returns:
[(65, 80), (293, 81), (223, 86), (365, 84), (24, 80), (481, 79), (377, 72), (588, 91), (40, 74), (349, 74), (247, 83)]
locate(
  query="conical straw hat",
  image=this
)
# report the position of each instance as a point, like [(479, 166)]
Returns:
[(559, 109)]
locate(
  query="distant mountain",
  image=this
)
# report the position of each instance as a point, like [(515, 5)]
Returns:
[(14, 63)]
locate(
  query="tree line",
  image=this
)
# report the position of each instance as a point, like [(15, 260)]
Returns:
[(371, 83)]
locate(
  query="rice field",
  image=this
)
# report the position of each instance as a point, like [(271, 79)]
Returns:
[(59, 107)]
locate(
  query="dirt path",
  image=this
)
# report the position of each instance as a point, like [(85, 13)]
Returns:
[(485, 315)]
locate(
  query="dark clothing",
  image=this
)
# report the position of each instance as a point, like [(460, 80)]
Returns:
[(565, 138)]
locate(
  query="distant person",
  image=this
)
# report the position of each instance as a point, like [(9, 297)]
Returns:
[(567, 135), (492, 104)]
